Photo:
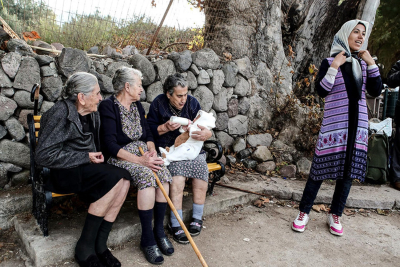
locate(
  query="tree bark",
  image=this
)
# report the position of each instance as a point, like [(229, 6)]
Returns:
[(264, 31)]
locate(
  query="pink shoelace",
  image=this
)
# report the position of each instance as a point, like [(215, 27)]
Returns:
[(335, 218), (301, 216)]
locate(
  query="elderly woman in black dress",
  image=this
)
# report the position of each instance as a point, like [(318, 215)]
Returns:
[(69, 145), (176, 102), (124, 129)]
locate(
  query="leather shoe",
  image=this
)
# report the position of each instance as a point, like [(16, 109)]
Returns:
[(165, 245), (91, 261), (108, 259), (153, 254)]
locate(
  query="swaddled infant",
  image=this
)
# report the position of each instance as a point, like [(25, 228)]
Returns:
[(185, 147)]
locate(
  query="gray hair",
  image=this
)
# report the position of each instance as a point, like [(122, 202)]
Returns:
[(79, 82), (125, 75), (173, 81)]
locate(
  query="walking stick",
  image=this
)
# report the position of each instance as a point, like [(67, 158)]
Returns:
[(196, 250)]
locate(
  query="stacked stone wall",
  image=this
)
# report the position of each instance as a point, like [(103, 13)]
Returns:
[(222, 87)]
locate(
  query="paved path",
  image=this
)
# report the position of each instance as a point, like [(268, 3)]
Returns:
[(268, 229)]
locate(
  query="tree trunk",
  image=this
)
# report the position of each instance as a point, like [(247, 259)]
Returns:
[(281, 39)]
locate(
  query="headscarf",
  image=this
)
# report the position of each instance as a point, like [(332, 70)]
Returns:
[(341, 43)]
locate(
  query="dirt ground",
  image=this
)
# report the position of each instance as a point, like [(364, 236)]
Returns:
[(251, 236)]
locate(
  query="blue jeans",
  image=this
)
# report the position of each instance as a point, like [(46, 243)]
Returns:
[(342, 190)]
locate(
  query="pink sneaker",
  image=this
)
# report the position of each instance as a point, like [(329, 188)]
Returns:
[(335, 227), (299, 224)]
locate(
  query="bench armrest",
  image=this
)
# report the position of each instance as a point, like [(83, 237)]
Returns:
[(213, 149)]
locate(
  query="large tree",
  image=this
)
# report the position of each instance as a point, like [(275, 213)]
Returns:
[(281, 38)]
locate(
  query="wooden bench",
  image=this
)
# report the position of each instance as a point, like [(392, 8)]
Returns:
[(42, 199)]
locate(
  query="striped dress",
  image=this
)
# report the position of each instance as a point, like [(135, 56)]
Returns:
[(340, 146)]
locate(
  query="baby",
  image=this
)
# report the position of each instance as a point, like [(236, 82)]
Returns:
[(185, 147)]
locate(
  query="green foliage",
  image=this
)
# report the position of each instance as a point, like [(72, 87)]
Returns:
[(385, 37), (85, 31)]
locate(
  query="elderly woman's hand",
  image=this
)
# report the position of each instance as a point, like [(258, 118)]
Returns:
[(151, 147), (202, 135), (96, 157), (151, 161)]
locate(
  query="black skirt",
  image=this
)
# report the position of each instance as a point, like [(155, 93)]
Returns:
[(91, 181)]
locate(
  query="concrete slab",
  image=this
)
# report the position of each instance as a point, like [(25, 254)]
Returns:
[(59, 246), (361, 196), (14, 201)]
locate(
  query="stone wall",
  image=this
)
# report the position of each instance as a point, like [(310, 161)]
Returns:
[(222, 87)]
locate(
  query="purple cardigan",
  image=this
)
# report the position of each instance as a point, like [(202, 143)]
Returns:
[(330, 150), (111, 134)]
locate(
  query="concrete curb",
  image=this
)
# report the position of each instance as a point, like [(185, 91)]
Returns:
[(58, 247)]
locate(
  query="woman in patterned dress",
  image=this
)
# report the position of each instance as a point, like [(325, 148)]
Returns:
[(124, 129), (176, 102), (341, 149)]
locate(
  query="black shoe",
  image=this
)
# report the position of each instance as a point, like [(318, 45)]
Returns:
[(178, 234), (108, 259), (195, 227), (165, 245), (91, 261), (153, 254)]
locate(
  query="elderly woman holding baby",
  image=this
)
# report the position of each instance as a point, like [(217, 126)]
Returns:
[(176, 102), (124, 129)]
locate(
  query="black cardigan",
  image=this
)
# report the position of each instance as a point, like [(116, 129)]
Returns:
[(111, 134)]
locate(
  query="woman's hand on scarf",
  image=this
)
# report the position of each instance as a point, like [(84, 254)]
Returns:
[(202, 135), (96, 157), (366, 56), (339, 60), (150, 160)]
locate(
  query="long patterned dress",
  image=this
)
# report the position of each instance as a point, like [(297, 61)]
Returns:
[(338, 134), (142, 176)]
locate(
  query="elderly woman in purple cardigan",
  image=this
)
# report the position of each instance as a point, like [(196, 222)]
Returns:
[(341, 149)]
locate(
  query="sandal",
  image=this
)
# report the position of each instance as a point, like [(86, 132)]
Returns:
[(153, 254), (108, 259), (195, 227), (165, 245), (178, 234)]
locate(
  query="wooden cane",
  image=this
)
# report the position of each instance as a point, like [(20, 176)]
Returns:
[(196, 250)]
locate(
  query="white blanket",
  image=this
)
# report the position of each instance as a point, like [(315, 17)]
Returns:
[(191, 148)]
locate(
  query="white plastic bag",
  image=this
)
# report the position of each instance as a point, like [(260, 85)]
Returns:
[(383, 126)]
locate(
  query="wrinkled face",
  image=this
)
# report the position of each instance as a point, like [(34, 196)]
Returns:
[(92, 99), (179, 97), (135, 89), (357, 37)]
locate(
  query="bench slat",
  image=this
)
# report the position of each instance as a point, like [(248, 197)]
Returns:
[(36, 118), (60, 195), (213, 167)]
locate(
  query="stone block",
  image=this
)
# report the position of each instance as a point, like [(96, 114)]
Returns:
[(238, 125), (7, 107), (10, 63), (262, 154), (205, 97), (15, 129), (288, 171)]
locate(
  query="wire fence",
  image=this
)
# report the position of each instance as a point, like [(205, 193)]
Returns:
[(86, 23)]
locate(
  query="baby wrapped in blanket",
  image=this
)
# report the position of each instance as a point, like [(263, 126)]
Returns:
[(185, 147)]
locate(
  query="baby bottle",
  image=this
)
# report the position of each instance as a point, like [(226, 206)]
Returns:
[(180, 120)]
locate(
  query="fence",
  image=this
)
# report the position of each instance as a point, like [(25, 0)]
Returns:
[(83, 24)]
